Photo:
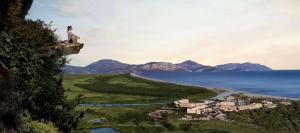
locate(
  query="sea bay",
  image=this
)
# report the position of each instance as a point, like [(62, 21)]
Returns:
[(275, 83)]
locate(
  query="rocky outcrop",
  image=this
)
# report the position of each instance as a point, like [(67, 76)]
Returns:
[(162, 66)]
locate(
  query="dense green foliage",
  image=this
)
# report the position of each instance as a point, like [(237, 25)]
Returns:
[(12, 11), (127, 84), (27, 54), (8, 104), (30, 126), (280, 119), (135, 120)]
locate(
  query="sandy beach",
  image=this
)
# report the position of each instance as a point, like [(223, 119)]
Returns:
[(222, 92)]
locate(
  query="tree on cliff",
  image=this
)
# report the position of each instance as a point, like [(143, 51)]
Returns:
[(26, 53)]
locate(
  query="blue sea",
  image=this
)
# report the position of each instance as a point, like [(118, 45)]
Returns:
[(275, 83)]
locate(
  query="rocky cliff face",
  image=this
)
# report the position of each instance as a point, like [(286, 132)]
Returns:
[(192, 66), (112, 66), (161, 66)]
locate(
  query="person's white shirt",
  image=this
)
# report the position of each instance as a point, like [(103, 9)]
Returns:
[(70, 34)]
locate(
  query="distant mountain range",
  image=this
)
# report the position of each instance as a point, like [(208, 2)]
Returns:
[(112, 66)]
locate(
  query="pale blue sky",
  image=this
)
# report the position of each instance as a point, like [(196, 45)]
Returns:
[(208, 31)]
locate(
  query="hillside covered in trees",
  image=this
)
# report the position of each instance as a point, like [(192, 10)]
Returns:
[(31, 94), (281, 119)]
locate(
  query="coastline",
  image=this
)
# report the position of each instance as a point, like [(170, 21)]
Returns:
[(222, 92)]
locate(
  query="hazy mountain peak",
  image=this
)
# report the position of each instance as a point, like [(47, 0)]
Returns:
[(190, 65), (113, 66), (247, 66), (106, 61), (189, 62)]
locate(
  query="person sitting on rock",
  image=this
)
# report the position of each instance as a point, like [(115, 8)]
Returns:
[(72, 38)]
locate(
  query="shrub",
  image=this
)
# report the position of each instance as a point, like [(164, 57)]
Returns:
[(185, 126), (31, 126), (168, 125)]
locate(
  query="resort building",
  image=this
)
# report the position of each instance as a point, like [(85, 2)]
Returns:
[(186, 105), (250, 106), (226, 106), (196, 109), (268, 104), (182, 103)]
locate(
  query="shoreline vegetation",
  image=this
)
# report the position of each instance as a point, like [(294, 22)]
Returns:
[(126, 89)]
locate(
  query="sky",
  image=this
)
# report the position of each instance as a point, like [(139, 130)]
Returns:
[(209, 32)]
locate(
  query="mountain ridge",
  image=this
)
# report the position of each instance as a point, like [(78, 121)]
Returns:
[(114, 66), (247, 66)]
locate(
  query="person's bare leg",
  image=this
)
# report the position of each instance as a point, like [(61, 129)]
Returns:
[(75, 39)]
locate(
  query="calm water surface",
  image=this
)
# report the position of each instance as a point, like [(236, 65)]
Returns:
[(276, 83), (104, 130)]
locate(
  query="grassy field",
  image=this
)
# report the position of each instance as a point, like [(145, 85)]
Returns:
[(135, 119), (127, 84), (96, 97), (127, 89)]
